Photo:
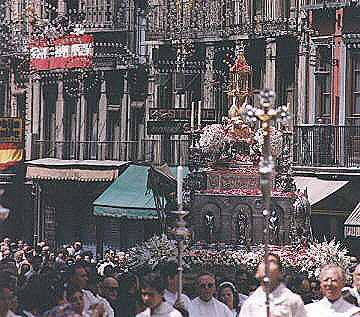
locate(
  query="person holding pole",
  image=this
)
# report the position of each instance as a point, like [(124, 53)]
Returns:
[(283, 302), (169, 274)]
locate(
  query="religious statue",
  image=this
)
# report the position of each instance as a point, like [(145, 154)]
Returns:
[(210, 225), (274, 222), (242, 225), (238, 92)]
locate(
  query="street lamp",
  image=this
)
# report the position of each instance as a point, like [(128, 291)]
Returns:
[(266, 114)]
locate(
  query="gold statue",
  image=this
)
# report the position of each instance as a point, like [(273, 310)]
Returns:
[(240, 74)]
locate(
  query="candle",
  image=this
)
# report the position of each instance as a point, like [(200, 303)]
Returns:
[(180, 177), (192, 119), (199, 115), (234, 101)]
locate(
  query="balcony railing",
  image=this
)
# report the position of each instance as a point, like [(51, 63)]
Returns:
[(212, 18), (144, 150), (170, 151), (326, 146)]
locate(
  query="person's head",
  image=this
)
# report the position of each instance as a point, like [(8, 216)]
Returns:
[(78, 275), (206, 285), (275, 271), (332, 280), (6, 293), (152, 290), (31, 295), (109, 270), (169, 273), (228, 295), (109, 288), (77, 246), (315, 290), (36, 262), (129, 284), (356, 277), (75, 297), (241, 281)]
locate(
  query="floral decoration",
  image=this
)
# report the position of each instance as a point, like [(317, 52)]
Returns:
[(307, 259), (212, 138), (276, 141)]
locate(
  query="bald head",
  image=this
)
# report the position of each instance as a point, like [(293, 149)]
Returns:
[(109, 288)]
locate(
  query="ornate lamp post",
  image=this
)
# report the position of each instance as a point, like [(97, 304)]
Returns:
[(266, 114)]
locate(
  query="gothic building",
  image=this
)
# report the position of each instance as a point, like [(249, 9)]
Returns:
[(164, 58)]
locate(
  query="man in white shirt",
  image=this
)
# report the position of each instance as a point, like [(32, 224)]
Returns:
[(169, 274), (332, 280), (283, 302), (355, 290), (152, 292), (206, 305)]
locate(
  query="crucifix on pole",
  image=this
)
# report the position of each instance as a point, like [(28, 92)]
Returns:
[(266, 114)]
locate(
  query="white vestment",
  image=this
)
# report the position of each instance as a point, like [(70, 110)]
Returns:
[(325, 308), (213, 308), (163, 310), (172, 297), (283, 303)]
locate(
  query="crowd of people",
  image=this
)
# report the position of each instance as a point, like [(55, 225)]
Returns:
[(38, 281)]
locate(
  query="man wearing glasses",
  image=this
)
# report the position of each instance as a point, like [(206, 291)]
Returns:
[(206, 305)]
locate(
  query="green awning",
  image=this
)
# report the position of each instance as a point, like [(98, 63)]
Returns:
[(127, 196)]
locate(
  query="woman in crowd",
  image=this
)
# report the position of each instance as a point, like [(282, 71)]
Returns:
[(228, 294)]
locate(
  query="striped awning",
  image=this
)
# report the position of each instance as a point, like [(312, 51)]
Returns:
[(352, 223), (74, 170)]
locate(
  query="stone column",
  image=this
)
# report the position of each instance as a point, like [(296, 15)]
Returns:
[(152, 102), (125, 121), (81, 118), (302, 84), (312, 88), (270, 64), (208, 101), (102, 119), (60, 122), (32, 117)]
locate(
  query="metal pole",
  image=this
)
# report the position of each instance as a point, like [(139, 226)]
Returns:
[(266, 115), (266, 167)]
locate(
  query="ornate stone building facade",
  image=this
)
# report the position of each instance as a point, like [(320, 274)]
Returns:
[(171, 54)]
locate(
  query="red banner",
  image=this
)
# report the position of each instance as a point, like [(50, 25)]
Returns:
[(69, 51)]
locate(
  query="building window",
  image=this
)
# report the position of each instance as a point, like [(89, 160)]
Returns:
[(354, 107), (285, 8), (257, 7), (323, 84)]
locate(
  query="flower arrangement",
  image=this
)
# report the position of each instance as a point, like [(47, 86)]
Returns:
[(301, 259), (212, 138), (276, 141)]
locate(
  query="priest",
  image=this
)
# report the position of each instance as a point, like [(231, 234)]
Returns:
[(332, 280), (205, 305)]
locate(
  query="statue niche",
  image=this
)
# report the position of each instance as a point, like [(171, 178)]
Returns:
[(243, 224), (210, 223), (275, 221)]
